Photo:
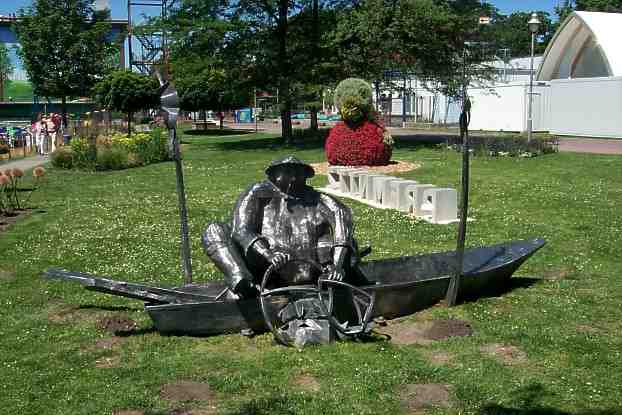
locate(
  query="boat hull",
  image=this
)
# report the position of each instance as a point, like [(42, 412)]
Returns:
[(402, 286)]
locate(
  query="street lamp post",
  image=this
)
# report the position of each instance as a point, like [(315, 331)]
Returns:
[(533, 24)]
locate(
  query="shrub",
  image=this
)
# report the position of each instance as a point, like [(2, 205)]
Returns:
[(359, 140), (504, 146), (4, 149), (62, 158), (353, 97), (84, 153), (359, 146), (112, 158), (147, 148)]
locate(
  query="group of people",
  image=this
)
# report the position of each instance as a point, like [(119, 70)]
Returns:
[(47, 133)]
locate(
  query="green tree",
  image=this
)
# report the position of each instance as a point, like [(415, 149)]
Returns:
[(127, 92), (511, 32), (200, 87), (378, 36), (209, 71), (64, 46), (563, 10), (6, 68), (568, 6)]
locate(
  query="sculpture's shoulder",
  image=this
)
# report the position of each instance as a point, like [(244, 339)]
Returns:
[(261, 190)]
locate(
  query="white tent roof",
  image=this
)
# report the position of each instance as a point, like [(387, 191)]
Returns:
[(587, 44)]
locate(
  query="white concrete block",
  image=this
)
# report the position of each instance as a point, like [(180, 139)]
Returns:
[(415, 200), (440, 205), (366, 186), (382, 190), (356, 179), (399, 194), (333, 176), (346, 180)]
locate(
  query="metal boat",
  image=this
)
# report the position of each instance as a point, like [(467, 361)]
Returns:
[(400, 286)]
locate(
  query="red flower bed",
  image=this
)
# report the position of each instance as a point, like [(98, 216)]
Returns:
[(360, 146)]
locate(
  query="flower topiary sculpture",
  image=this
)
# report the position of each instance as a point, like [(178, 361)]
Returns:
[(358, 140)]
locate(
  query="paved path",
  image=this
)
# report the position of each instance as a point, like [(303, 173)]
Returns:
[(590, 145), (566, 144), (25, 163)]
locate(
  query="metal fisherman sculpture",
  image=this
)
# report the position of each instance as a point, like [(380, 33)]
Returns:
[(279, 220)]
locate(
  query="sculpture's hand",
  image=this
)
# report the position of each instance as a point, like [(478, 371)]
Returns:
[(279, 259), (336, 274)]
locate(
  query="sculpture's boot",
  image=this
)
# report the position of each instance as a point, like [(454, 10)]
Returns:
[(220, 248)]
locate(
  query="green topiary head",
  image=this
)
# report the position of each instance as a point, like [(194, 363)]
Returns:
[(353, 98)]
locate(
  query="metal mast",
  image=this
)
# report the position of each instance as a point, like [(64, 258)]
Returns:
[(147, 45)]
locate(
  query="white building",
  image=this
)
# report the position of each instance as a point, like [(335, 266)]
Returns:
[(577, 87)]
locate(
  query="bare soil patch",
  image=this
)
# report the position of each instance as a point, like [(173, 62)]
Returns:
[(195, 411), (417, 397), (109, 343), (408, 333), (7, 276), (63, 313), (307, 383), (6, 221), (446, 328), (440, 357), (117, 324), (507, 354), (395, 166), (425, 332), (582, 328), (108, 362), (557, 274), (186, 391)]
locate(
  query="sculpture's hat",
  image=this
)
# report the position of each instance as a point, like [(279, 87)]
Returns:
[(291, 160)]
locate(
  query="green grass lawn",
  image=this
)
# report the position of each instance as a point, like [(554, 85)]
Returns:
[(18, 90), (124, 224)]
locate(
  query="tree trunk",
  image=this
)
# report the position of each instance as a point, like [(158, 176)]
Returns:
[(63, 110), (129, 124), (283, 62), (1, 87), (313, 126)]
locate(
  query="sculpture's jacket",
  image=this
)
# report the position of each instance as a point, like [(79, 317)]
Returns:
[(306, 227)]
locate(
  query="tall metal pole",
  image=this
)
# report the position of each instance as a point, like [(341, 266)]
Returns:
[(183, 212), (255, 108), (129, 32), (465, 118), (530, 107), (170, 104)]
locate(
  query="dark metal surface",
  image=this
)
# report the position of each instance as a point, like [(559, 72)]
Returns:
[(402, 286), (311, 328), (280, 219), (169, 101), (454, 284)]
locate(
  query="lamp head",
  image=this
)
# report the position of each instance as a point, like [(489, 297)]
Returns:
[(534, 23)]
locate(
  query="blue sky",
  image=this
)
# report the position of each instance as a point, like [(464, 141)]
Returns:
[(119, 7)]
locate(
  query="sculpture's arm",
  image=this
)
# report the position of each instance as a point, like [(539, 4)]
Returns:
[(246, 220), (342, 232), (341, 216), (247, 217)]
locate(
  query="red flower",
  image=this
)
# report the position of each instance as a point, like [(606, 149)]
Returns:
[(361, 146)]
